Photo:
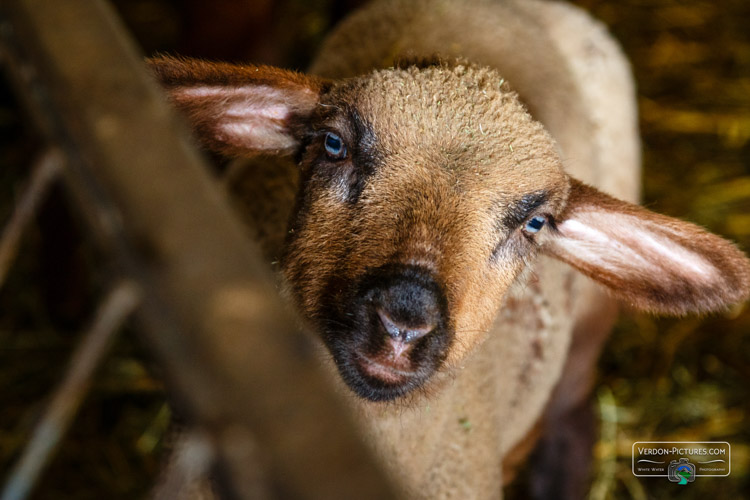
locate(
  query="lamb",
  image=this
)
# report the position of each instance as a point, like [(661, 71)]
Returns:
[(463, 224)]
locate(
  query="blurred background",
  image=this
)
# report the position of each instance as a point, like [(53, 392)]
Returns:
[(659, 380)]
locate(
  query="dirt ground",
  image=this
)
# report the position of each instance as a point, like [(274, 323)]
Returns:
[(660, 379)]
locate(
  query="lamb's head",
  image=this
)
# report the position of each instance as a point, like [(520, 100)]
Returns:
[(426, 190)]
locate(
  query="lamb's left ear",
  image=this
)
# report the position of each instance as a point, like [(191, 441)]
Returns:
[(240, 110), (657, 263)]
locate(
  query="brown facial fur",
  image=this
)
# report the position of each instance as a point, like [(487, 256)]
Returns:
[(436, 183)]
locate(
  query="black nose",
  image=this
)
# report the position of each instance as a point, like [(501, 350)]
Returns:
[(406, 301)]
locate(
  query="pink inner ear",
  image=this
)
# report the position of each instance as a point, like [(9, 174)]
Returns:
[(655, 262), (241, 103), (240, 109), (252, 118), (627, 245)]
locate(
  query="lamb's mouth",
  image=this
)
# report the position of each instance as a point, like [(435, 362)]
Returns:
[(389, 373), (380, 377), (378, 367)]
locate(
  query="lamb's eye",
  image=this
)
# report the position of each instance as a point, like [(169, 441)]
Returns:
[(534, 224), (335, 148)]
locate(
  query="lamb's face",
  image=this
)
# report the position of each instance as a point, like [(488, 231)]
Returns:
[(424, 194)]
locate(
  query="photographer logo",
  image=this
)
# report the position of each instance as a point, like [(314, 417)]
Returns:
[(681, 471), (681, 461)]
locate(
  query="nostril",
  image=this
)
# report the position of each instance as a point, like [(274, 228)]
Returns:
[(404, 332)]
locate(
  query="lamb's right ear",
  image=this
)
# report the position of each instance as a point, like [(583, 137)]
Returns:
[(238, 109), (657, 263)]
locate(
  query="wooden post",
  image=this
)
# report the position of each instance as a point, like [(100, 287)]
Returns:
[(211, 312)]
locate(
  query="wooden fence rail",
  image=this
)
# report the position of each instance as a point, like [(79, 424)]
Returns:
[(233, 358)]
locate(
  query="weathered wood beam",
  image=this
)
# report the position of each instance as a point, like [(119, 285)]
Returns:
[(212, 314)]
